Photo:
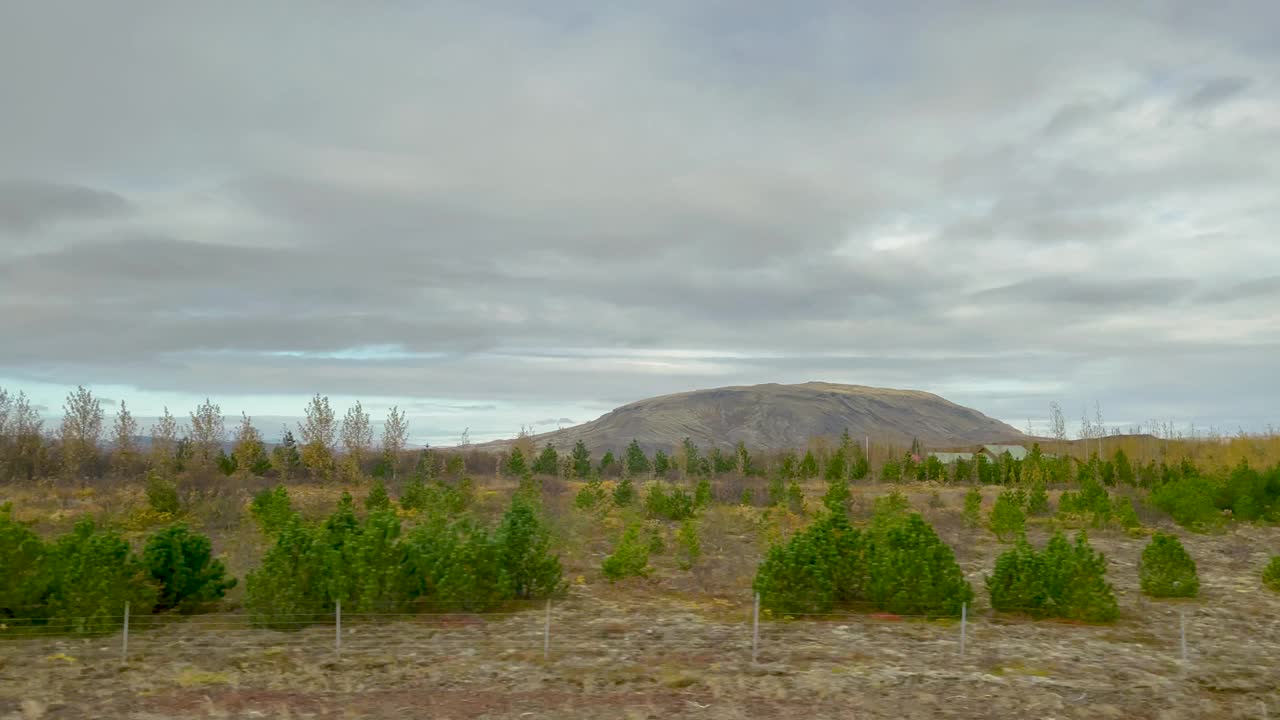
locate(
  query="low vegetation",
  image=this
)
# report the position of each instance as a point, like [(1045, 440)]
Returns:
[(1167, 570), (1065, 580)]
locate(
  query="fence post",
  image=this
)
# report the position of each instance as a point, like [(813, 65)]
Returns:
[(124, 639), (755, 629), (964, 622), (546, 633), (337, 629), (1182, 622)]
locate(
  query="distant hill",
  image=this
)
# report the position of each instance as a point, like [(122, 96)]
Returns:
[(782, 416)]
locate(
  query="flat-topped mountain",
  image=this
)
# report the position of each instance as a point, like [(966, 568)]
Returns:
[(776, 416)]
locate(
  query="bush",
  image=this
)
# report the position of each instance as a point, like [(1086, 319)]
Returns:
[(1167, 570), (1189, 501), (524, 549), (701, 494), (1123, 513), (629, 559), (162, 495), (900, 565), (973, 507), (674, 506), (92, 575), (1067, 581), (272, 509), (688, 544), (1038, 500), (181, 562), (836, 499), (1007, 520), (591, 495), (377, 499), (22, 557), (1271, 574), (912, 572), (795, 497), (624, 493)]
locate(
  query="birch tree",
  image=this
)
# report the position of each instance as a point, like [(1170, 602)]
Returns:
[(164, 441), (250, 453), (395, 436), (357, 436), (208, 430), (81, 431), (124, 432), (318, 430)]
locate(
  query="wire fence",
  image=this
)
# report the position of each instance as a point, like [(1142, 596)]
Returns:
[(555, 631)]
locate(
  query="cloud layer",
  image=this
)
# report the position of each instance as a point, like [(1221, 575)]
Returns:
[(539, 211)]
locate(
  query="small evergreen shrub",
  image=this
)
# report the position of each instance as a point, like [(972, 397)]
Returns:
[(1167, 570), (688, 544), (795, 497), (182, 564), (1038, 500), (1271, 574), (590, 496), (162, 495), (900, 565), (1124, 514), (701, 494), (92, 575), (675, 505), (837, 497), (1189, 501), (629, 559), (272, 509), (776, 492), (524, 549), (972, 514), (1007, 520), (22, 568), (377, 499), (1065, 580), (624, 493)]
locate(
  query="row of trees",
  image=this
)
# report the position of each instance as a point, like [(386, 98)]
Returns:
[(84, 446)]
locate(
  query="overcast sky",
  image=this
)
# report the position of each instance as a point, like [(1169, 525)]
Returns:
[(507, 213)]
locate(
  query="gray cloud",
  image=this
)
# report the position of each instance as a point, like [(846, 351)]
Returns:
[(27, 205), (501, 215)]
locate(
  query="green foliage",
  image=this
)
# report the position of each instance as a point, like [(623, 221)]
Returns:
[(581, 459), (661, 463), (748, 496), (590, 496), (788, 466), (688, 544), (1007, 519), (836, 468), (972, 513), (1091, 502), (891, 471), (524, 549), (1167, 570), (837, 497), (890, 507), (630, 558), (808, 466), (1189, 501), (92, 575), (675, 505), (377, 499), (1038, 500), (900, 565), (776, 491), (1065, 580), (1123, 513), (162, 495), (22, 557), (636, 461), (226, 463), (795, 497), (624, 493), (1271, 574), (271, 509), (516, 465), (701, 494), (415, 496), (607, 462), (547, 462), (438, 497), (911, 571), (181, 563)]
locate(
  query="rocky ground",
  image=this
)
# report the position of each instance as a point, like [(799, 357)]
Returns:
[(681, 646)]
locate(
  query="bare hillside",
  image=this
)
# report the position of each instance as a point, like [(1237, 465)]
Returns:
[(781, 416)]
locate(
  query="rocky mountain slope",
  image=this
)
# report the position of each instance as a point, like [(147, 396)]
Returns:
[(780, 416)]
